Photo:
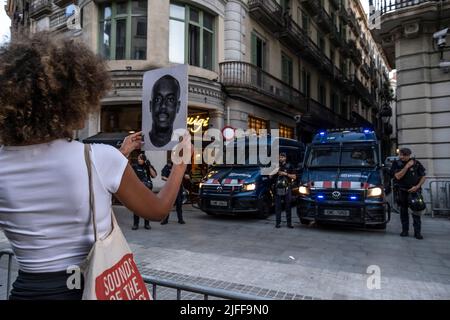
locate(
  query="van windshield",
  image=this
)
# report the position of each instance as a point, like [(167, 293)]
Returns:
[(342, 156)]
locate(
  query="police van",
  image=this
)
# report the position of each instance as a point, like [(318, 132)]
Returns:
[(343, 181), (245, 188)]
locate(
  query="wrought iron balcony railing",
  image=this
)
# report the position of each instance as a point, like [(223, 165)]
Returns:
[(59, 20), (323, 19), (335, 3), (318, 111), (293, 36), (362, 91), (268, 12), (336, 38), (320, 15), (365, 70), (313, 6), (355, 53), (39, 8), (63, 3), (353, 22), (343, 14), (247, 81), (385, 6)]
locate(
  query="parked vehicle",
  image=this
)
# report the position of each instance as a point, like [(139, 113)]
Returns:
[(343, 180), (389, 161), (245, 188)]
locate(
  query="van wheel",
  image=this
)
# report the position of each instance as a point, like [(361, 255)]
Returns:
[(265, 209), (304, 221), (209, 213)]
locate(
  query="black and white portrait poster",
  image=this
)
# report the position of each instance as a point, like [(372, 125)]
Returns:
[(164, 106)]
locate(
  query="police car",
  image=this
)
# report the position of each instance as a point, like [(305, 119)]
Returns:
[(342, 180)]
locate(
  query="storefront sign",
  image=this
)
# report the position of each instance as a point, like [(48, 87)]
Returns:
[(197, 123)]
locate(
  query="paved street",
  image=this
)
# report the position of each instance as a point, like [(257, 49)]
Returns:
[(251, 256)]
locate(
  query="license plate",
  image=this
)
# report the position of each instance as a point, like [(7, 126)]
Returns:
[(340, 213), (219, 203)]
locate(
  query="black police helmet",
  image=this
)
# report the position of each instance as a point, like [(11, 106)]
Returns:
[(416, 202)]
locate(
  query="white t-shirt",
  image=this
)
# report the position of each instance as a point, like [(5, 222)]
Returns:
[(44, 205)]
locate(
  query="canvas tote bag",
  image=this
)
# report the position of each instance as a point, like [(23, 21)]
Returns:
[(109, 270)]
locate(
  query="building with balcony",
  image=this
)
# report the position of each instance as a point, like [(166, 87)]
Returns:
[(253, 64), (404, 31)]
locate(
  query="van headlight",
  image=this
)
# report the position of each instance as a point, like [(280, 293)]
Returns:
[(374, 192), (249, 187), (304, 191)]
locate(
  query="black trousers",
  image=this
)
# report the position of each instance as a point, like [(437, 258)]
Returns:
[(137, 218), (404, 214), (44, 286), (287, 206), (136, 221), (178, 205)]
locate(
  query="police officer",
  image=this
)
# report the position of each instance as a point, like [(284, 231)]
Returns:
[(409, 176), (145, 172), (165, 173), (283, 190)]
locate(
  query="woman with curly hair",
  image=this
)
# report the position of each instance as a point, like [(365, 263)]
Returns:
[(48, 88)]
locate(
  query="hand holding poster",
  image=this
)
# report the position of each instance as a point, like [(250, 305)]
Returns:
[(164, 106)]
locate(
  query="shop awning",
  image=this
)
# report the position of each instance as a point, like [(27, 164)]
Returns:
[(114, 139)]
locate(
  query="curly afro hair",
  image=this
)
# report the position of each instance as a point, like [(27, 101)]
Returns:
[(48, 86)]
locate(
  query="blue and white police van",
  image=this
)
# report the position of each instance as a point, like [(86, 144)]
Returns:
[(342, 180), (244, 188)]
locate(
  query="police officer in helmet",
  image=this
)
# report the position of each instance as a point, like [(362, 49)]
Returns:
[(409, 176), (283, 190)]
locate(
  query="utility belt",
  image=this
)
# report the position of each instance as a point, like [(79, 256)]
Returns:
[(148, 184), (282, 190), (398, 190)]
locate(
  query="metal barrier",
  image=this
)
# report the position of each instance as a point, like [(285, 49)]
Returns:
[(155, 282), (205, 291), (10, 254), (440, 196)]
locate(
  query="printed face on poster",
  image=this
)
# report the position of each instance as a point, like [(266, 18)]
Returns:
[(164, 106)]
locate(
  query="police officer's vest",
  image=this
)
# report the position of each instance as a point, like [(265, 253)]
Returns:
[(411, 178)]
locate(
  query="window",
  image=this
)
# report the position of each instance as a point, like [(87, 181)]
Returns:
[(334, 100), (333, 18), (284, 5), (191, 36), (258, 51), (321, 42), (123, 30), (322, 94), (332, 55), (305, 22), (286, 69), (257, 124), (344, 108), (286, 132), (306, 83)]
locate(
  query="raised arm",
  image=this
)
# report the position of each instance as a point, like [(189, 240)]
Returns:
[(137, 197), (400, 174)]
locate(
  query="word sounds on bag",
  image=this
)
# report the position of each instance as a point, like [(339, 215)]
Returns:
[(121, 282)]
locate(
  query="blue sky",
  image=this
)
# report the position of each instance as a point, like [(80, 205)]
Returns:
[(4, 22)]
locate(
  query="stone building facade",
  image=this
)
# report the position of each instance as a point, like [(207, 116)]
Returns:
[(252, 63), (404, 31)]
